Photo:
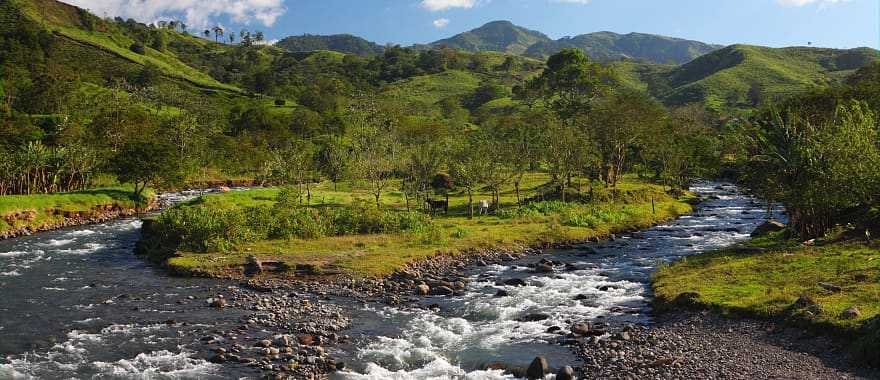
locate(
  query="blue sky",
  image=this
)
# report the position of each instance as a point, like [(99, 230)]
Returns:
[(831, 23)]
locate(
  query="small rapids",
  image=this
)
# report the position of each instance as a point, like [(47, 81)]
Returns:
[(77, 303), (609, 283)]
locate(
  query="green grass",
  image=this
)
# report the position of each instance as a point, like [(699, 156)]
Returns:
[(382, 254), (766, 284), (45, 207)]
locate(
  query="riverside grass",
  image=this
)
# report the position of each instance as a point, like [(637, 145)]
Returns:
[(376, 255), (78, 201), (766, 284)]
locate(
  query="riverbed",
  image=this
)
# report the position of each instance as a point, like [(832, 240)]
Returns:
[(79, 304)]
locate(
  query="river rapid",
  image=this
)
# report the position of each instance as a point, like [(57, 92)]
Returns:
[(77, 303)]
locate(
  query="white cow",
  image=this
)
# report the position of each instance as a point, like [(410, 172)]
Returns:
[(483, 206)]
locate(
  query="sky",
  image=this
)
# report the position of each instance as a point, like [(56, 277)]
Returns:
[(777, 23)]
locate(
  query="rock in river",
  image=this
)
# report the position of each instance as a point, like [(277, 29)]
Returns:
[(538, 368), (441, 291), (767, 228)]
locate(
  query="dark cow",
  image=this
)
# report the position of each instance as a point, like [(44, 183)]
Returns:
[(435, 205)]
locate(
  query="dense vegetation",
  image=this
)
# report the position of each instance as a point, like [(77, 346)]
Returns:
[(343, 43)]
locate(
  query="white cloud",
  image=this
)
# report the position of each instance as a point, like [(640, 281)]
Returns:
[(442, 5), (801, 3), (440, 23), (196, 13)]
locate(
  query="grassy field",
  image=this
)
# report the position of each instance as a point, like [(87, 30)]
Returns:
[(40, 209), (383, 253), (767, 284)]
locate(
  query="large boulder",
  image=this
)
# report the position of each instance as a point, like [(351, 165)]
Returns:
[(538, 368), (767, 228)]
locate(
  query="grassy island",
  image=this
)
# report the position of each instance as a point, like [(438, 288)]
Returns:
[(343, 232)]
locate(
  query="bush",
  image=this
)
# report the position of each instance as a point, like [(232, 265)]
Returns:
[(280, 102), (210, 228), (139, 48)]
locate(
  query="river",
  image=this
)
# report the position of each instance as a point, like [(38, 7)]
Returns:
[(77, 303)]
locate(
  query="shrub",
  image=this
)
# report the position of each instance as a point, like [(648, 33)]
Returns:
[(139, 48), (211, 228), (280, 102)]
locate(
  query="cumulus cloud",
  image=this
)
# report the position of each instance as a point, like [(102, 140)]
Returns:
[(197, 13), (442, 5), (441, 23), (801, 3)]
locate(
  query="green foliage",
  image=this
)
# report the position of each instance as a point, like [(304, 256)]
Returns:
[(343, 43), (212, 228), (148, 163), (818, 164)]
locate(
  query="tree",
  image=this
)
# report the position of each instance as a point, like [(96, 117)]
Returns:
[(206, 33), (564, 151), (570, 84), (520, 145), (218, 32), (333, 157), (374, 146), (294, 164), (468, 166), (819, 165), (619, 123), (145, 164)]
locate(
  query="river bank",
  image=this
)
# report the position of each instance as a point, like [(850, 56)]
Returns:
[(23, 215)]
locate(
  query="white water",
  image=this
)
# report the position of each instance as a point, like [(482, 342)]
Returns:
[(477, 328)]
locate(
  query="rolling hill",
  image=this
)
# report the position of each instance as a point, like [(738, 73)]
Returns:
[(741, 76)]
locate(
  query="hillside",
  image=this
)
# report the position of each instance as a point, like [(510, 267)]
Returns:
[(608, 46), (343, 43), (96, 50), (500, 36), (743, 75)]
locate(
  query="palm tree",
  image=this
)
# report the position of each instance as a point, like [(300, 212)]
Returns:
[(231, 38), (258, 37), (207, 33), (218, 32)]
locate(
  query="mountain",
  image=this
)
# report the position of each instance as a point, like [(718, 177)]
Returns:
[(741, 76), (343, 43), (504, 36), (500, 36), (608, 46)]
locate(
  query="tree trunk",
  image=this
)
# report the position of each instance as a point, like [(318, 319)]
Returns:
[(516, 187), (470, 204)]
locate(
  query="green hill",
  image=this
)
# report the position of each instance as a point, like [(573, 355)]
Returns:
[(343, 43), (608, 46), (743, 75), (501, 36), (96, 49)]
